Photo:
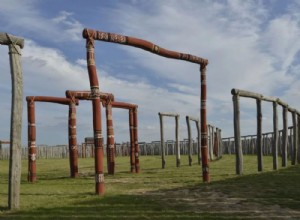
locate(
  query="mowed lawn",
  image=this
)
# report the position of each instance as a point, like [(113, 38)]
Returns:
[(155, 193)]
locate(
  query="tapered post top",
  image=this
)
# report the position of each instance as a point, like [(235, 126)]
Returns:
[(7, 39), (142, 44)]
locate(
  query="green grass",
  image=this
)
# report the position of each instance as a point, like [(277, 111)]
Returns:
[(172, 193)]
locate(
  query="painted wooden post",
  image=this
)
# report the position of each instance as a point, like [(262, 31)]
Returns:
[(190, 139), (31, 140), (73, 150), (136, 143), (15, 45), (259, 136), (110, 142), (295, 138), (162, 142), (284, 135), (237, 134), (177, 141), (97, 126), (204, 150), (275, 136), (132, 149)]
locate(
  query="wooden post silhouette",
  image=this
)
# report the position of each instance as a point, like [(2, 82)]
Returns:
[(275, 137), (259, 136), (295, 139), (284, 135), (188, 119), (15, 45)]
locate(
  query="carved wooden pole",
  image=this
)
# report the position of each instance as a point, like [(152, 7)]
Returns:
[(275, 137), (132, 147), (259, 136), (237, 134), (15, 45), (204, 150), (136, 143), (162, 142), (295, 138), (97, 126), (190, 139), (284, 135), (73, 150), (31, 140), (110, 140)]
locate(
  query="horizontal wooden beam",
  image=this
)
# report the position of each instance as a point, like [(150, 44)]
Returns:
[(7, 39)]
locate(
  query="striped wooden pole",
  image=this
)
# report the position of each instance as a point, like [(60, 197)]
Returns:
[(73, 150), (204, 149), (136, 143), (97, 126), (31, 177), (132, 146), (110, 143)]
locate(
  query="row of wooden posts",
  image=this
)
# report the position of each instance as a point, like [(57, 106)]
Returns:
[(15, 44), (294, 149)]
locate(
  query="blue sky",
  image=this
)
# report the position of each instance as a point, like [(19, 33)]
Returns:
[(251, 45)]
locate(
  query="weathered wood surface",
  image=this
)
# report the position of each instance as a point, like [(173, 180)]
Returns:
[(7, 39), (259, 136), (284, 136), (275, 137), (15, 125)]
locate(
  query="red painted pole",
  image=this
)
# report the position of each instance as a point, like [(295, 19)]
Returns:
[(136, 143), (132, 144), (73, 151), (97, 126), (110, 146), (204, 149), (31, 141)]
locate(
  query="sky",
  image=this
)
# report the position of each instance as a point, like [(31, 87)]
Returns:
[(251, 45)]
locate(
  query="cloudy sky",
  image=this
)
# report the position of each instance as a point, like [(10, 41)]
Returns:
[(251, 45)]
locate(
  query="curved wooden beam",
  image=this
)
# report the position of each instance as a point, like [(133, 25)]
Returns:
[(142, 44), (7, 39), (51, 99)]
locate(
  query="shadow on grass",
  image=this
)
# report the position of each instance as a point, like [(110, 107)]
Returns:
[(275, 191)]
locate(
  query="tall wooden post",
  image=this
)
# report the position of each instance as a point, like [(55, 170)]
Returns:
[(162, 142), (275, 136), (15, 45), (284, 135), (73, 150), (110, 146), (136, 143), (198, 142), (204, 150), (177, 141), (31, 141), (190, 139), (132, 146), (237, 135), (259, 136), (298, 152), (295, 138), (97, 126)]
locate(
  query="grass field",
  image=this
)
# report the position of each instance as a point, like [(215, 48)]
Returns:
[(172, 193)]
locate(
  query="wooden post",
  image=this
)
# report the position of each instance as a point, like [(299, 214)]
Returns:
[(275, 137), (295, 138), (298, 151), (190, 139), (237, 135), (204, 150), (284, 135), (31, 141), (73, 151), (110, 142), (97, 126), (162, 142), (198, 142), (15, 44), (259, 136), (177, 141), (136, 143), (132, 148)]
